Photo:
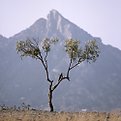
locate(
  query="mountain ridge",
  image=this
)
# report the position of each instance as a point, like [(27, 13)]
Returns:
[(94, 86), (46, 26)]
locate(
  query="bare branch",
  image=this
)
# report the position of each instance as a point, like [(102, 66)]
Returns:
[(60, 79), (45, 65), (58, 82), (78, 63), (74, 65), (69, 68), (45, 59)]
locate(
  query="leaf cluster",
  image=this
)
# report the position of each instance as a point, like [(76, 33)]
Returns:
[(47, 43), (28, 48), (72, 48), (31, 47), (90, 51)]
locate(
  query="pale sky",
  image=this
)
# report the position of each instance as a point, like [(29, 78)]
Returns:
[(100, 18)]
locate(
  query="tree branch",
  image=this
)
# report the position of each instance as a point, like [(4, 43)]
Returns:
[(61, 77), (69, 68), (74, 65), (79, 62), (45, 59), (45, 65)]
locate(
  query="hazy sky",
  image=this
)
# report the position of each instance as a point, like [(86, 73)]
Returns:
[(100, 18)]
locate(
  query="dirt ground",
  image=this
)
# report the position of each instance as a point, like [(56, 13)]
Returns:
[(34, 115)]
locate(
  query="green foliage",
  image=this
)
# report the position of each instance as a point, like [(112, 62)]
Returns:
[(72, 48), (47, 43), (28, 48), (90, 51), (31, 47)]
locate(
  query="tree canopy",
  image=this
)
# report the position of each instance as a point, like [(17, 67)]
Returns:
[(76, 54)]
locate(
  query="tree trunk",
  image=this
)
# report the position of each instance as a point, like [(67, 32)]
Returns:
[(50, 96)]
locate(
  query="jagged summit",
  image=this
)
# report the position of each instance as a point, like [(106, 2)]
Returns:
[(54, 25), (54, 14), (53, 19)]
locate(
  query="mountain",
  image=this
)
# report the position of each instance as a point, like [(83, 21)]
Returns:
[(93, 86)]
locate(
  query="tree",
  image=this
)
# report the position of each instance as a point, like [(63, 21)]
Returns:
[(76, 55)]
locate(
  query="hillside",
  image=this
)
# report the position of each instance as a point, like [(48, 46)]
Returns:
[(93, 86)]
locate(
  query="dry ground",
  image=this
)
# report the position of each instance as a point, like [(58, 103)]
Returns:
[(30, 115)]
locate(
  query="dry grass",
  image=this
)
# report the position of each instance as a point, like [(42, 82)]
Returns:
[(11, 115)]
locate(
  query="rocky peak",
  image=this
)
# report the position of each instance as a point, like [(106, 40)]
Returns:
[(54, 15), (54, 21), (59, 25), (39, 22)]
